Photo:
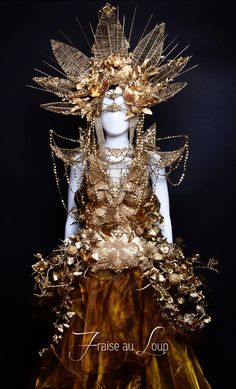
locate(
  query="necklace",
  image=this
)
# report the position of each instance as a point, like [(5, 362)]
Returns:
[(119, 152)]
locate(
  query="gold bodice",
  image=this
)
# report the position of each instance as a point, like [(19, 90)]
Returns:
[(119, 231), (112, 207)]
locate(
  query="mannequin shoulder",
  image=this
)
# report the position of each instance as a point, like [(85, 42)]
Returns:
[(76, 167), (154, 158), (155, 167), (78, 159)]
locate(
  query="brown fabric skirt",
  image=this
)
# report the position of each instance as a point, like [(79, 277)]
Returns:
[(118, 339)]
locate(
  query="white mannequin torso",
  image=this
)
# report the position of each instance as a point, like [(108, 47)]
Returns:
[(116, 131)]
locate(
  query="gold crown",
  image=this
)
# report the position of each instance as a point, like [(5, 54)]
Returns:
[(140, 75)]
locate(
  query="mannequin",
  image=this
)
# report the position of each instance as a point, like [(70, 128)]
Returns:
[(116, 129), (111, 305), (113, 297), (117, 274)]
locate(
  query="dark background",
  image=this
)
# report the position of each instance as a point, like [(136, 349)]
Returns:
[(202, 208)]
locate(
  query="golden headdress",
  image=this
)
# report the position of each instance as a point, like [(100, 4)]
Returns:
[(140, 76)]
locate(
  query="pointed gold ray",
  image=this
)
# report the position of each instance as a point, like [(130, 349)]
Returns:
[(109, 36), (73, 62), (150, 46)]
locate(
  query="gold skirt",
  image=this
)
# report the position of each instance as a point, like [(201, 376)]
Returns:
[(118, 339)]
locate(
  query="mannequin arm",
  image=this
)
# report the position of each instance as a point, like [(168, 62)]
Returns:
[(75, 180), (161, 191)]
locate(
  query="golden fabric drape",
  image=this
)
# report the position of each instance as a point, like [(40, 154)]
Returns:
[(110, 305)]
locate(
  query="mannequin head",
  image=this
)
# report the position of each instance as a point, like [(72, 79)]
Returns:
[(114, 122), (113, 129)]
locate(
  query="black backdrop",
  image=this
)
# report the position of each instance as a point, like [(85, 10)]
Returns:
[(202, 208)]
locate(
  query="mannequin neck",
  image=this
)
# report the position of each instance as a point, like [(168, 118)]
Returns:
[(118, 141)]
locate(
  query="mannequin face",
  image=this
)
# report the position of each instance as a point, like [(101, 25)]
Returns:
[(114, 123)]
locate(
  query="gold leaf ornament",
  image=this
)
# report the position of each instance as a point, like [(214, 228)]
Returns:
[(142, 77)]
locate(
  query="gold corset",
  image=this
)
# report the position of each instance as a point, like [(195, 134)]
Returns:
[(113, 208)]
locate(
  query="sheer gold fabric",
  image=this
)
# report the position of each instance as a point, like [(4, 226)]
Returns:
[(109, 303)]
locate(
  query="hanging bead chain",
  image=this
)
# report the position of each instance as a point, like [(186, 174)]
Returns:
[(184, 156), (90, 147), (55, 171), (139, 138), (87, 151), (140, 155), (94, 146), (139, 148), (184, 170), (87, 148), (52, 132)]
